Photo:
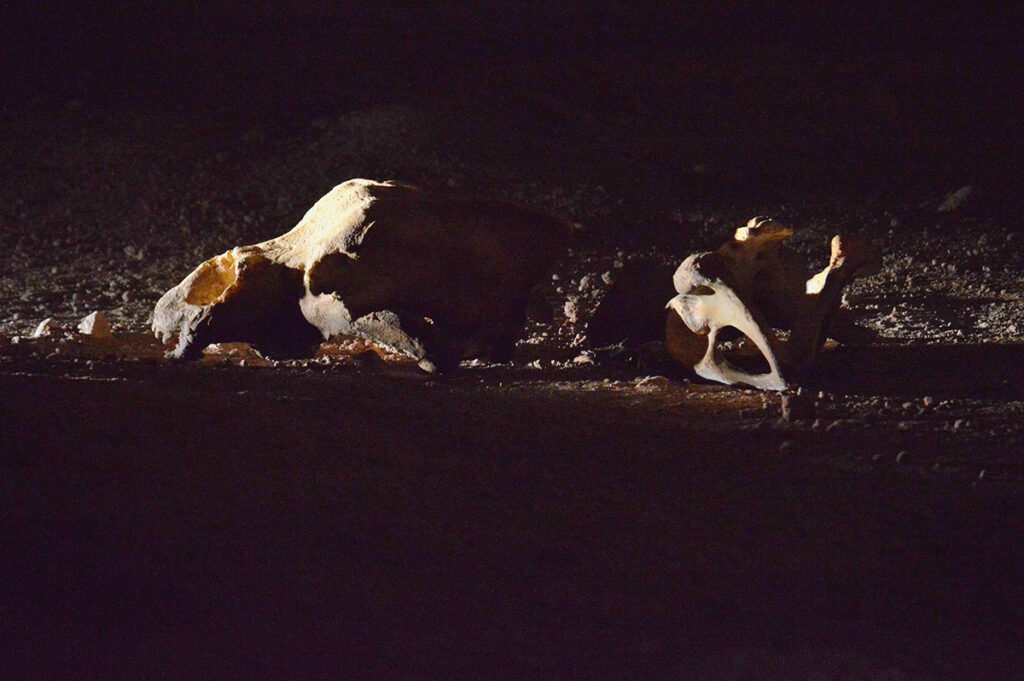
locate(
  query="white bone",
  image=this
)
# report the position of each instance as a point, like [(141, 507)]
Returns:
[(707, 304), (753, 283)]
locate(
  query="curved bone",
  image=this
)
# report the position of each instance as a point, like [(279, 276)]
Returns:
[(707, 304), (849, 260)]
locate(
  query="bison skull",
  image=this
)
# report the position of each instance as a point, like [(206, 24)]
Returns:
[(434, 276)]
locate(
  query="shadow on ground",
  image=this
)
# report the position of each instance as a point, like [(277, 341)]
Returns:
[(982, 371)]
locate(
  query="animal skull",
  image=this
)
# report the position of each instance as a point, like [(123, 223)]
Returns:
[(436, 277), (752, 284)]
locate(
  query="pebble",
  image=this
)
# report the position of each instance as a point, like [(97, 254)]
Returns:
[(571, 311), (47, 327), (96, 325)]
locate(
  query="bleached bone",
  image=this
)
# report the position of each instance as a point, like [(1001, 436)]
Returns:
[(755, 283), (707, 303), (457, 272)]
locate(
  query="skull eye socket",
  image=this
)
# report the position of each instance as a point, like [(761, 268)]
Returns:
[(213, 279)]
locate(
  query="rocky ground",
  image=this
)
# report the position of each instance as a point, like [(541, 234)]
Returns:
[(583, 512)]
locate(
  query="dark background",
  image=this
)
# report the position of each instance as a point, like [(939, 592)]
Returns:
[(852, 92)]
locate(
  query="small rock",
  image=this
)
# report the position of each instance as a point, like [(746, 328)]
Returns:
[(928, 401), (902, 454), (572, 312), (652, 382), (787, 447), (583, 358), (96, 325), (47, 327), (955, 199)]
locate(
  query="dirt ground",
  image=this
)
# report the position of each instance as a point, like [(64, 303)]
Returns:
[(581, 513)]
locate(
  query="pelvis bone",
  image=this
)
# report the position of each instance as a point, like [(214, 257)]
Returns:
[(436, 277), (756, 284)]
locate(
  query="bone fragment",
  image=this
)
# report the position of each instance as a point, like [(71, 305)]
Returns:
[(707, 303)]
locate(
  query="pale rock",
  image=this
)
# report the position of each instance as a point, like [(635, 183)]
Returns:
[(955, 199), (653, 383), (96, 325), (571, 311), (47, 327)]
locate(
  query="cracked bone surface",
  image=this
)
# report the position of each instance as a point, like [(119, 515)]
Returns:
[(755, 284), (434, 276)]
